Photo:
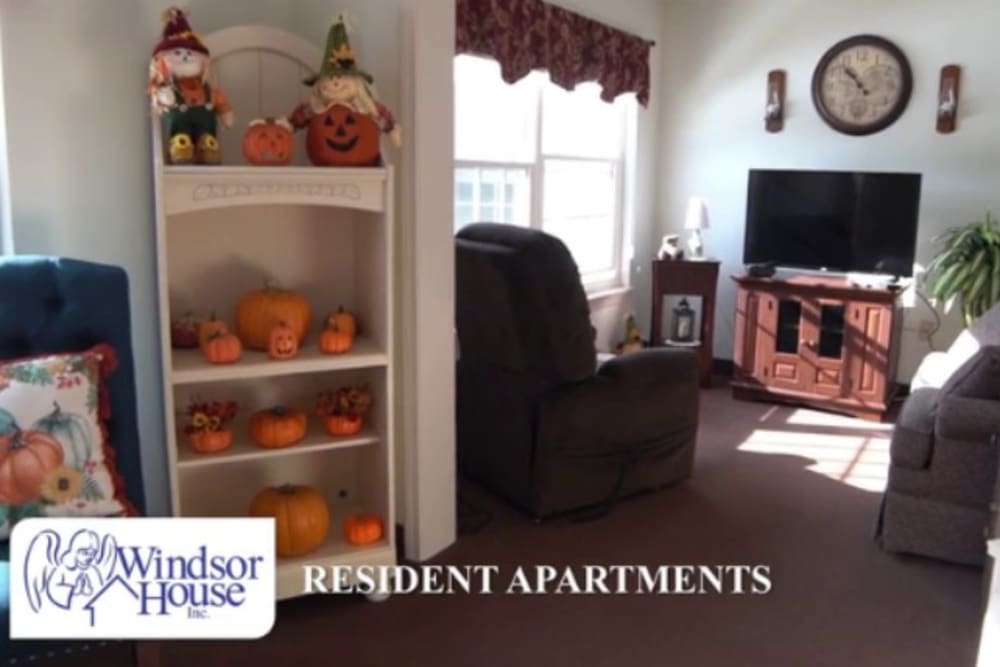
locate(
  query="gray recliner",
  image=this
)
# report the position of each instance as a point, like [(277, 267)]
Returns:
[(539, 421), (942, 475)]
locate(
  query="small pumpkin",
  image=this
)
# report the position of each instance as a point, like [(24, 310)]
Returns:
[(334, 341), (343, 320), (72, 430), (222, 348), (209, 328), (283, 343), (269, 142), (342, 137), (277, 427), (361, 529), (301, 517), (184, 333), (31, 457), (343, 424), (259, 310), (208, 442)]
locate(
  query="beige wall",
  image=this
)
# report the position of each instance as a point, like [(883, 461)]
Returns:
[(717, 55)]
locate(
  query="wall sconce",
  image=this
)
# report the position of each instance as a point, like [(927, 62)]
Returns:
[(774, 111), (947, 110)]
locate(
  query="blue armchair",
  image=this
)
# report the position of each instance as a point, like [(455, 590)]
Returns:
[(52, 305)]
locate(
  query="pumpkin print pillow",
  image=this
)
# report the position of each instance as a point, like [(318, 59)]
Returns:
[(54, 460)]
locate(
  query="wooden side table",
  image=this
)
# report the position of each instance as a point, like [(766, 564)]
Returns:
[(688, 278)]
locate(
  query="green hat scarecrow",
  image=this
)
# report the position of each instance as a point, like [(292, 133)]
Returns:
[(338, 59)]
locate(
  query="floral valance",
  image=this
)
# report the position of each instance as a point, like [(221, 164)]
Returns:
[(525, 35)]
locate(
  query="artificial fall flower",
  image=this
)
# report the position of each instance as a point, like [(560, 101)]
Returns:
[(58, 366), (199, 420), (62, 484)]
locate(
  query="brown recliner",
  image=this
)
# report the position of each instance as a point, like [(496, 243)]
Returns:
[(539, 422)]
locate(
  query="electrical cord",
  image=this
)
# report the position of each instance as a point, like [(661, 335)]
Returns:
[(934, 312)]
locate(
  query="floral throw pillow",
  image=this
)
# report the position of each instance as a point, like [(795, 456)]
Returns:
[(54, 460)]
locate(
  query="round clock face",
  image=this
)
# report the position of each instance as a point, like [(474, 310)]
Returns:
[(862, 85)]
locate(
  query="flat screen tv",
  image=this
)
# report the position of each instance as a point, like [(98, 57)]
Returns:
[(833, 220)]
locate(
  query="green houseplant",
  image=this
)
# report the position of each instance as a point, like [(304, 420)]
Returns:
[(967, 269)]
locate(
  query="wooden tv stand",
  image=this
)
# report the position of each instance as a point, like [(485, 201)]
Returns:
[(817, 341)]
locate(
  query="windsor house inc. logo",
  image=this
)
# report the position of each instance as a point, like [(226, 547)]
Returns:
[(142, 578)]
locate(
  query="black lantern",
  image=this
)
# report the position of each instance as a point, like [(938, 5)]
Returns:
[(682, 330)]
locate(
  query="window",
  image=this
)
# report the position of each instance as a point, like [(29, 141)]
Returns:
[(535, 155)]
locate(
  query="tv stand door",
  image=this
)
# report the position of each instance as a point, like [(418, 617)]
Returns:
[(871, 367), (782, 337), (824, 349)]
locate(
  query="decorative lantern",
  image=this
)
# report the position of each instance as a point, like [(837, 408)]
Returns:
[(682, 330)]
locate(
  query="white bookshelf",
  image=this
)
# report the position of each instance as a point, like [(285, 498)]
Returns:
[(327, 233)]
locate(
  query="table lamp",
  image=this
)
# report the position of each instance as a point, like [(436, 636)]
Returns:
[(695, 221)]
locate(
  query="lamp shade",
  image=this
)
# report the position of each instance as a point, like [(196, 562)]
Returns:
[(697, 214)]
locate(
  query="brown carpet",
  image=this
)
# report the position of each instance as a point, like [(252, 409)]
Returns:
[(837, 600)]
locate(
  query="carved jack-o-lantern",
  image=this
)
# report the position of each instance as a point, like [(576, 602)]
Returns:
[(283, 343), (268, 142), (340, 137)]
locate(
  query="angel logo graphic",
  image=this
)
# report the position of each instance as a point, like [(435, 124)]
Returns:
[(68, 574)]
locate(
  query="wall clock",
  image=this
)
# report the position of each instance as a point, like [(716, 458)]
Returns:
[(862, 85)]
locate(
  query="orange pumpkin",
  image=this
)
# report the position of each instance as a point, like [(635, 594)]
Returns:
[(207, 442), (30, 458), (341, 137), (301, 517), (277, 427), (283, 343), (268, 142), (334, 341), (343, 424), (209, 328), (259, 310), (343, 320), (361, 529), (222, 348)]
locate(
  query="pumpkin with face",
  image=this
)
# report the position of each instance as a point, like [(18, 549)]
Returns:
[(269, 142), (341, 137), (283, 342)]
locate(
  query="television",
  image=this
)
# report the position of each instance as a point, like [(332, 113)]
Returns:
[(842, 221)]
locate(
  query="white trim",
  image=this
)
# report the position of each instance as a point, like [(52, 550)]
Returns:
[(263, 38), (605, 295), (427, 280), (492, 164)]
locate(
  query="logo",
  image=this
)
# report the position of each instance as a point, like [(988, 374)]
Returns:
[(142, 578)]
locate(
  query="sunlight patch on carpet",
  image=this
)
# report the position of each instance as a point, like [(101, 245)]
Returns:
[(843, 449)]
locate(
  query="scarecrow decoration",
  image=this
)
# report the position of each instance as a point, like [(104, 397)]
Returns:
[(181, 91), (342, 117)]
